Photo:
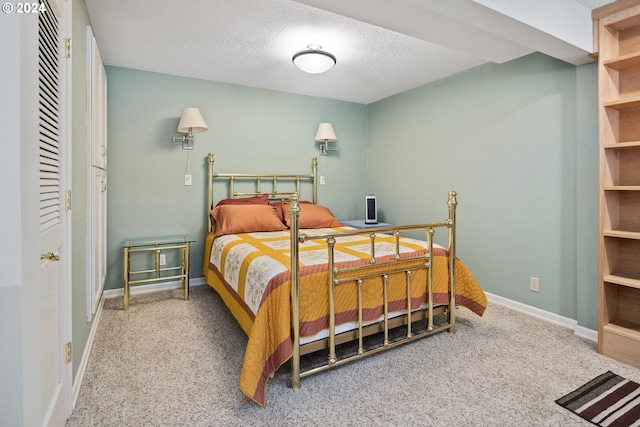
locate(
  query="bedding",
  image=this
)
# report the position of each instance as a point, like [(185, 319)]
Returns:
[(242, 201), (233, 219), (312, 216), (255, 200), (280, 208), (250, 271)]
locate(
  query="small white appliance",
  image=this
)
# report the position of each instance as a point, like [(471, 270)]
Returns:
[(371, 209)]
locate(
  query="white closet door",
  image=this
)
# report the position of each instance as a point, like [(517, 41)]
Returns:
[(97, 167), (51, 406)]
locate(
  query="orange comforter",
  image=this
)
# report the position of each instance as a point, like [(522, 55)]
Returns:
[(251, 274)]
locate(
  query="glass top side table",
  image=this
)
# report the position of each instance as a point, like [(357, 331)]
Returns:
[(159, 273)]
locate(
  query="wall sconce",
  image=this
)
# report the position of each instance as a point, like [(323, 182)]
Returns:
[(191, 122), (324, 136)]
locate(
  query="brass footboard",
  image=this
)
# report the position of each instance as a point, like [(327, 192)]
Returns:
[(406, 266)]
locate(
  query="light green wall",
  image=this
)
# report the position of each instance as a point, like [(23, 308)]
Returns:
[(587, 195), (517, 141), (511, 140), (250, 130)]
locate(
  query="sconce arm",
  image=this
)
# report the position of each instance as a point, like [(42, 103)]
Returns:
[(187, 140), (324, 147)]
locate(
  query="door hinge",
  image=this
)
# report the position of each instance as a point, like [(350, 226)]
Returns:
[(68, 352), (67, 47), (67, 200)]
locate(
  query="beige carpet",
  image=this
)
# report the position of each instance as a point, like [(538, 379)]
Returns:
[(170, 362)]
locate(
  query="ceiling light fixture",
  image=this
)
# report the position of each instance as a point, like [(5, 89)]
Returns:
[(314, 60)]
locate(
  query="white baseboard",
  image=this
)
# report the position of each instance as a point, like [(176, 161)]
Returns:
[(588, 334), (82, 367), (154, 287), (580, 331)]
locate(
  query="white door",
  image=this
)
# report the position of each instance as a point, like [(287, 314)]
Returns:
[(97, 175), (98, 214), (54, 259)]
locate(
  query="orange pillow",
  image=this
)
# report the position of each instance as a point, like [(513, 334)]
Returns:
[(257, 200), (234, 219), (312, 216), (280, 209)]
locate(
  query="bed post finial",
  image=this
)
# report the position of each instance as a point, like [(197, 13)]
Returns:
[(453, 200), (453, 203), (294, 215)]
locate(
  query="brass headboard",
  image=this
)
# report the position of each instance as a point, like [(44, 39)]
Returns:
[(271, 179)]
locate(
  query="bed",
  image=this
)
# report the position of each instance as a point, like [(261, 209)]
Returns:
[(299, 282)]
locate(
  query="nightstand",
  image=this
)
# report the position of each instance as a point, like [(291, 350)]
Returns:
[(158, 273), (359, 223)]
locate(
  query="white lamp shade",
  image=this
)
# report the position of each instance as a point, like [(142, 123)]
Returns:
[(191, 119), (326, 133), (314, 61)]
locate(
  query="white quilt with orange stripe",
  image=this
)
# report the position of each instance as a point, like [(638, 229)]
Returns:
[(251, 273)]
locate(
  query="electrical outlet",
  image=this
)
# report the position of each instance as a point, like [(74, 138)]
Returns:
[(321, 179), (163, 259), (534, 284), (187, 180)]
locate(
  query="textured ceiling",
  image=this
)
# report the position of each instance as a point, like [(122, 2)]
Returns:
[(383, 47)]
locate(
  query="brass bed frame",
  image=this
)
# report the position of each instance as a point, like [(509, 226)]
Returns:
[(341, 275)]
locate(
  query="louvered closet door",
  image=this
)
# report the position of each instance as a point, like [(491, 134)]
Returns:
[(51, 151)]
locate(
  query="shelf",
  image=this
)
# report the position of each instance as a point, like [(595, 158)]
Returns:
[(624, 104), (622, 145), (621, 169), (622, 22), (623, 62), (634, 235), (621, 188), (623, 328), (622, 280)]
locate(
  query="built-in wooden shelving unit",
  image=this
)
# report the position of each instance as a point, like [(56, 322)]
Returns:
[(619, 243)]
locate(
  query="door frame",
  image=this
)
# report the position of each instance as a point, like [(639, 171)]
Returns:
[(66, 123)]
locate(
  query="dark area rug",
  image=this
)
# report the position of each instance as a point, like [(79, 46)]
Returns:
[(607, 400)]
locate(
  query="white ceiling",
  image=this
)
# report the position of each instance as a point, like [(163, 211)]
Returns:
[(382, 47)]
